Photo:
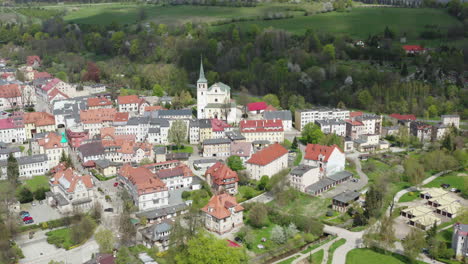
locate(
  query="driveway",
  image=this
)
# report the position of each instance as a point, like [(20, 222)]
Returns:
[(42, 212)]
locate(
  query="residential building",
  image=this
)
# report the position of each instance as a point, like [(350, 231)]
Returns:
[(29, 166), (330, 159), (205, 129), (216, 147), (284, 115), (402, 119), (38, 122), (194, 132), (33, 61), (12, 130), (372, 123), (328, 182), (215, 101), (439, 131), (421, 130), (172, 114), (221, 178), (244, 150), (51, 144), (76, 137), (99, 102), (342, 201), (219, 128), (260, 130), (354, 129), (91, 151), (95, 119), (305, 116), (147, 190), (302, 176), (267, 161), (451, 120), (332, 126), (235, 136), (367, 142), (6, 150), (157, 235), (256, 107), (176, 178), (460, 240), (10, 97), (95, 88), (132, 104), (222, 213), (390, 131), (106, 168)]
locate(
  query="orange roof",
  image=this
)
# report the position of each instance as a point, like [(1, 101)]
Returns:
[(121, 117), (31, 59), (98, 101), (38, 75), (39, 118), (69, 179), (154, 108), (50, 141), (56, 92), (9, 91), (221, 172), (268, 155), (313, 151), (92, 116), (270, 108), (143, 179), (129, 99), (354, 123), (354, 114), (256, 126), (219, 206)]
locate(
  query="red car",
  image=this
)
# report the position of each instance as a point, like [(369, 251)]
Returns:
[(27, 218), (116, 184)]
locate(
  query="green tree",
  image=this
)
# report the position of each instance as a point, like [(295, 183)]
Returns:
[(125, 256), (311, 133), (365, 99), (374, 202), (258, 215), (262, 184), (82, 230), (414, 171), (105, 239), (158, 90), (178, 133), (277, 235), (294, 144), (271, 99), (413, 244), (205, 248), (62, 76), (235, 163), (433, 111), (332, 139), (12, 169), (25, 195), (40, 193), (329, 51), (404, 70)]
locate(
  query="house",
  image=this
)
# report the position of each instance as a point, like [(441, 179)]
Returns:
[(219, 128), (205, 129), (425, 221), (12, 130), (255, 130), (413, 49), (158, 215), (91, 151), (216, 147), (147, 190), (244, 150), (222, 213), (157, 235), (441, 201), (421, 130), (33, 61), (10, 97), (367, 142), (330, 159), (102, 259), (416, 211), (284, 115), (76, 137), (432, 193), (256, 107), (106, 168), (439, 131), (153, 108), (51, 144), (449, 210), (99, 102), (29, 166), (402, 119), (390, 131), (221, 178), (302, 176), (194, 131), (165, 100), (332, 126), (460, 240), (95, 119), (328, 182), (95, 88), (71, 191), (6, 150), (159, 153), (43, 89), (267, 161), (172, 114), (451, 120), (132, 104), (372, 123), (175, 178), (354, 129), (305, 116), (215, 101), (342, 201), (203, 164), (38, 122)]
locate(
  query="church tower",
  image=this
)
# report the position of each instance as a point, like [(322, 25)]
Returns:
[(202, 89)]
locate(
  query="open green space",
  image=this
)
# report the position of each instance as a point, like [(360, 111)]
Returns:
[(317, 257), (61, 238), (246, 193), (289, 260), (37, 182), (186, 149), (308, 205), (409, 196), (259, 234), (452, 178), (333, 247), (361, 22), (368, 256)]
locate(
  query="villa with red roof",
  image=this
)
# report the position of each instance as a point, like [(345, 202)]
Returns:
[(12, 130), (267, 161), (219, 128), (222, 213), (55, 84), (221, 178), (147, 190), (38, 122), (257, 107), (33, 61), (329, 159), (71, 191), (51, 144), (95, 119), (99, 102), (10, 97), (400, 118), (261, 130), (413, 49), (132, 104)]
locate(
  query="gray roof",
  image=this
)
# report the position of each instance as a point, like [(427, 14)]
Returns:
[(450, 116), (234, 135), (159, 150), (367, 116), (58, 197), (154, 130), (161, 212), (347, 196), (159, 122), (340, 175), (203, 161), (32, 159), (166, 99), (194, 123), (462, 227), (321, 109), (137, 120), (177, 112), (330, 122), (177, 156), (323, 183), (219, 105), (261, 142), (204, 123), (283, 115), (214, 141), (91, 149), (154, 232), (221, 86), (301, 170), (4, 149), (201, 77), (104, 163)]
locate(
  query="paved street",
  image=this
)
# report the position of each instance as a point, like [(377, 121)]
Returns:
[(43, 213)]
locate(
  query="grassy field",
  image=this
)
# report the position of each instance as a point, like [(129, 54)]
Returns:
[(317, 257), (361, 22), (37, 182), (260, 233), (309, 206), (368, 256), (452, 178), (408, 197), (60, 238)]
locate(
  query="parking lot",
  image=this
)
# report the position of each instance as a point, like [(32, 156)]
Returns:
[(41, 212)]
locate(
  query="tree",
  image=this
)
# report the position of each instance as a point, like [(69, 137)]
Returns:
[(62, 76), (105, 239), (92, 73), (262, 184), (271, 99), (291, 230), (142, 14), (413, 244), (258, 216), (83, 230), (433, 111), (39, 194), (277, 235), (125, 256), (294, 144), (311, 133), (25, 195), (235, 163), (414, 171), (365, 99), (146, 161), (158, 90), (178, 133), (381, 235), (12, 169), (374, 202), (404, 70), (332, 139), (205, 248), (329, 51)]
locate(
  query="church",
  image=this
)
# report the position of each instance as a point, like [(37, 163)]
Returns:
[(215, 101)]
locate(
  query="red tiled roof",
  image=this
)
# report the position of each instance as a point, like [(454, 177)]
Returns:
[(143, 179), (268, 155), (38, 75), (31, 59), (70, 179), (154, 108), (255, 126), (354, 114), (219, 125), (56, 92), (219, 205), (98, 101), (10, 91), (50, 141), (354, 122), (413, 48), (313, 151), (403, 117), (181, 170), (9, 123), (241, 149), (121, 117), (129, 99), (39, 118), (51, 84), (270, 108), (93, 116), (256, 106), (221, 172)]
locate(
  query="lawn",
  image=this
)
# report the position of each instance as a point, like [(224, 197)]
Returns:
[(289, 260), (61, 238), (361, 22), (452, 178), (409, 196), (37, 182), (260, 233), (368, 256), (185, 149), (246, 193), (310, 248), (308, 205), (333, 247), (317, 257), (298, 158), (446, 236)]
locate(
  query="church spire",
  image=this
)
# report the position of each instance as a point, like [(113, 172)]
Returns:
[(201, 78)]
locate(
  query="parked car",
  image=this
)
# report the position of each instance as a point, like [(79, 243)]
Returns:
[(116, 184), (27, 218), (33, 203), (29, 221), (238, 240), (23, 213), (111, 210), (445, 185), (455, 190)]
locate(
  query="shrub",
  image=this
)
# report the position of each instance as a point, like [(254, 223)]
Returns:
[(185, 195)]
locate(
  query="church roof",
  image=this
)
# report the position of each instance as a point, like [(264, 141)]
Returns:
[(201, 78), (221, 86)]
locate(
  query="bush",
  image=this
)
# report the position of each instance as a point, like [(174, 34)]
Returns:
[(25, 195), (40, 194), (185, 195)]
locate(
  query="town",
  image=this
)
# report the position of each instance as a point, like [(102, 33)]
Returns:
[(94, 177)]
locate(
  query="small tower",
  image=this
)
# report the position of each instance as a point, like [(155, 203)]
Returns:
[(202, 88)]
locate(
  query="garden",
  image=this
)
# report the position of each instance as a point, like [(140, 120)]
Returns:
[(74, 235)]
